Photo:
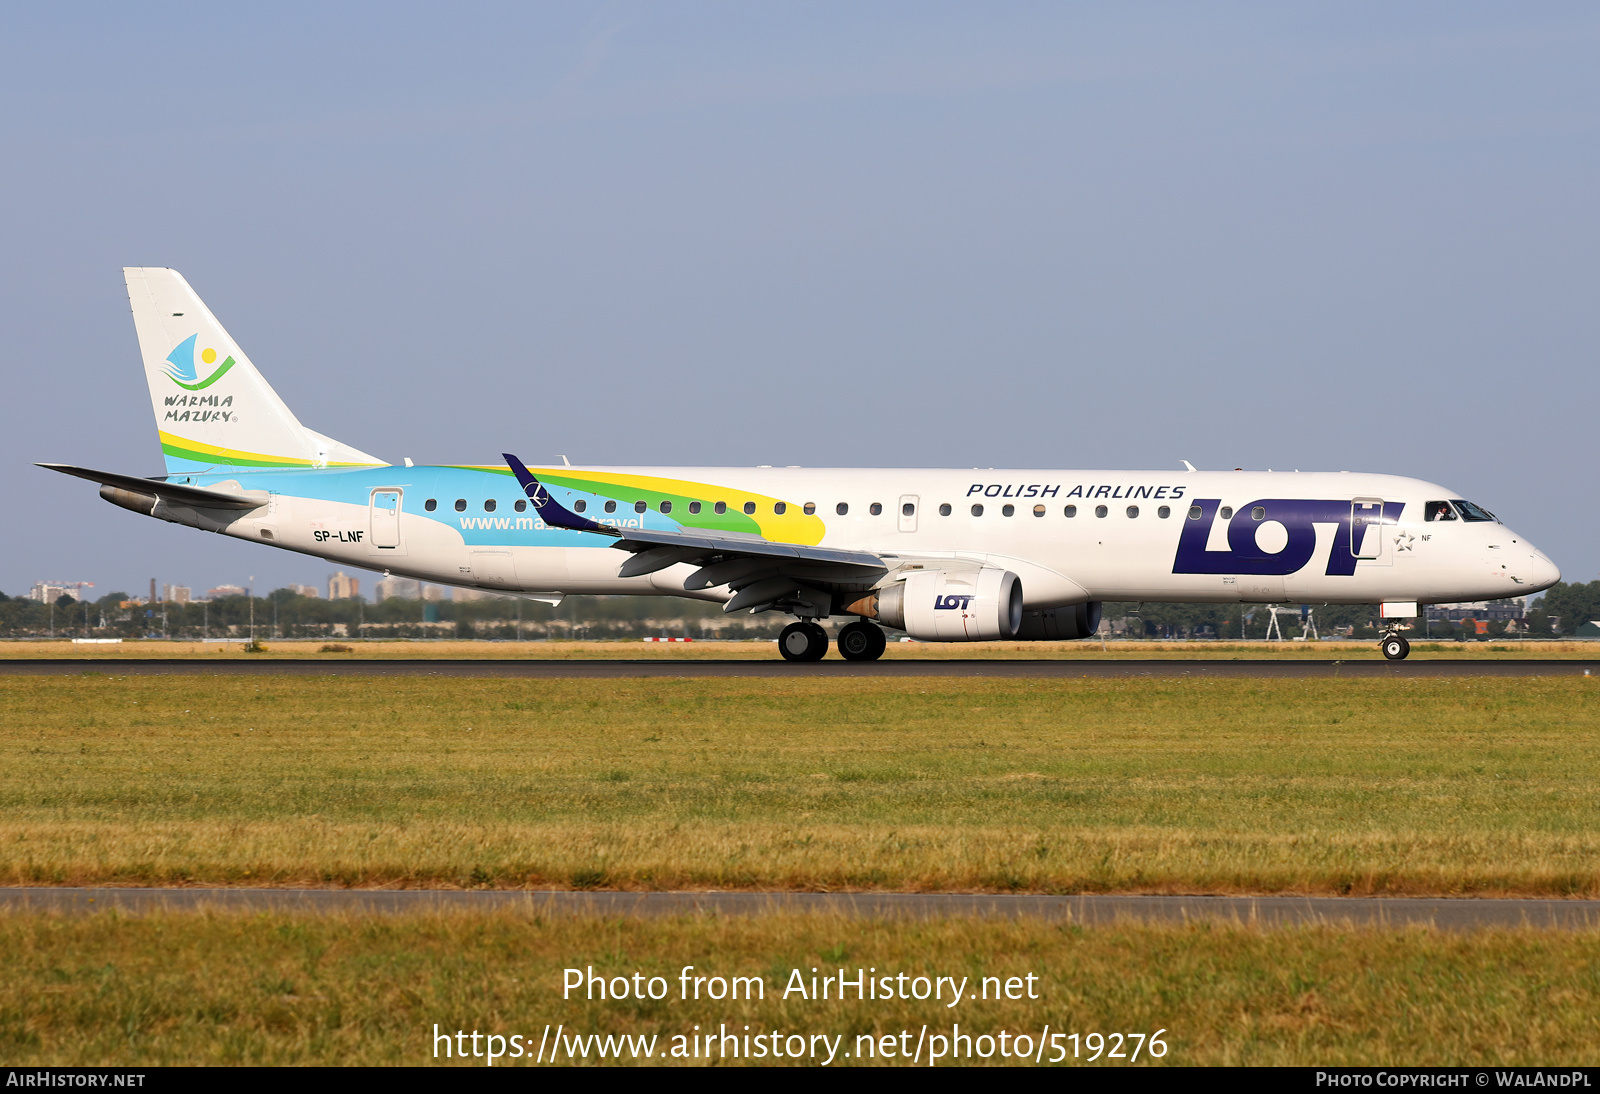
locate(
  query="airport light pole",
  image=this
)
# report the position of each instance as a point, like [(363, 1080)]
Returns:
[(252, 591)]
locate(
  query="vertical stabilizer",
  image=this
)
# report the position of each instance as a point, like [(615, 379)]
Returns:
[(213, 409)]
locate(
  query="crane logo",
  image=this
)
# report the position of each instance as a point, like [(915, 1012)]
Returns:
[(182, 368)]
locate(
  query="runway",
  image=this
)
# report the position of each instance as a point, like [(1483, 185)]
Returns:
[(776, 667), (1279, 911)]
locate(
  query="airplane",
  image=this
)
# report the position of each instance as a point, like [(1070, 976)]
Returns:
[(944, 555)]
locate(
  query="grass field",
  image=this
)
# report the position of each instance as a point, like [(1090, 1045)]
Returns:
[(1473, 786), (1482, 786), (219, 989), (356, 650)]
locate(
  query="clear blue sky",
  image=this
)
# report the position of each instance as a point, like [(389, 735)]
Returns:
[(1326, 236)]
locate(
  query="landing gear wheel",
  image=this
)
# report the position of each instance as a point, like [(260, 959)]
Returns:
[(803, 641), (1395, 648), (861, 642)]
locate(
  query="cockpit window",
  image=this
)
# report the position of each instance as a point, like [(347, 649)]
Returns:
[(1473, 512), (1438, 510)]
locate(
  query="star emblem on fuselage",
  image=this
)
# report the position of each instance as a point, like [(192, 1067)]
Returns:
[(1402, 542)]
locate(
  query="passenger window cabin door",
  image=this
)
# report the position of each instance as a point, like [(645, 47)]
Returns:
[(384, 518), (1367, 528), (908, 512)]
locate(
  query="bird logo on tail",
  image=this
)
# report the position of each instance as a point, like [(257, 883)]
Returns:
[(182, 370)]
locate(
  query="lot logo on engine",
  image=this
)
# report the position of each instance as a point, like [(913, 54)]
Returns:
[(952, 602)]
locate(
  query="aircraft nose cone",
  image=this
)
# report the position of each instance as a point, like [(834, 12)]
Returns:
[(1542, 573)]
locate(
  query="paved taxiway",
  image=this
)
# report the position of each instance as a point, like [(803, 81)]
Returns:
[(1277, 911), (893, 669)]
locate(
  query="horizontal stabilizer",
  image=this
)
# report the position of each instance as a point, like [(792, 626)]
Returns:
[(174, 493)]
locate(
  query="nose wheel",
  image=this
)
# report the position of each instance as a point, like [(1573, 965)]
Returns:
[(803, 641), (1395, 648), (861, 641)]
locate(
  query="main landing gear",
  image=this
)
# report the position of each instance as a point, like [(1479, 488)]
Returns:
[(1394, 647), (806, 641), (861, 641), (803, 641)]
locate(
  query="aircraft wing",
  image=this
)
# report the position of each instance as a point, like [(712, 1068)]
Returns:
[(174, 493), (761, 572)]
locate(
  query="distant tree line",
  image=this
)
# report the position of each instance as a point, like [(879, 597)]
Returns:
[(283, 613), (1250, 621), (1564, 608)]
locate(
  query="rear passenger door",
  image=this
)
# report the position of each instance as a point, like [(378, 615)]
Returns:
[(384, 519)]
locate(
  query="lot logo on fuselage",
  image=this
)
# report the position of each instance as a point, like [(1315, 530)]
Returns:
[(182, 370), (952, 602), (1299, 517)]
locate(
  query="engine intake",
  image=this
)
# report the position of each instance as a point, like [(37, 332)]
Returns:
[(949, 606)]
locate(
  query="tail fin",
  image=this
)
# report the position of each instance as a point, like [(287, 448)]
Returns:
[(213, 408)]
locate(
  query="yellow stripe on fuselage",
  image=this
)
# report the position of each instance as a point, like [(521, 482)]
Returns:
[(791, 526)]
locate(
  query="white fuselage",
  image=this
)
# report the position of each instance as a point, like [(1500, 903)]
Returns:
[(1129, 535)]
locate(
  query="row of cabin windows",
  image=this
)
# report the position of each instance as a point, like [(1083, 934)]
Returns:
[(1069, 511), (908, 509), (489, 506), (1434, 510)]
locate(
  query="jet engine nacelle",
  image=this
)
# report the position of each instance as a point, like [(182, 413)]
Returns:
[(949, 606), (1061, 624)]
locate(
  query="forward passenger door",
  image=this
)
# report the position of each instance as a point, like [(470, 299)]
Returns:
[(1368, 530)]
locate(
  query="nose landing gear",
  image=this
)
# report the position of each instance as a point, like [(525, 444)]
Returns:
[(861, 641), (1394, 647)]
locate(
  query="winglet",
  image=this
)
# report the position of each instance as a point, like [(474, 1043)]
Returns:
[(551, 511)]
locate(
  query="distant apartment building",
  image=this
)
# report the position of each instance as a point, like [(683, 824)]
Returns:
[(220, 591), (176, 594), (407, 588), (343, 587), (433, 592), (306, 590), (1478, 610), (48, 592)]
